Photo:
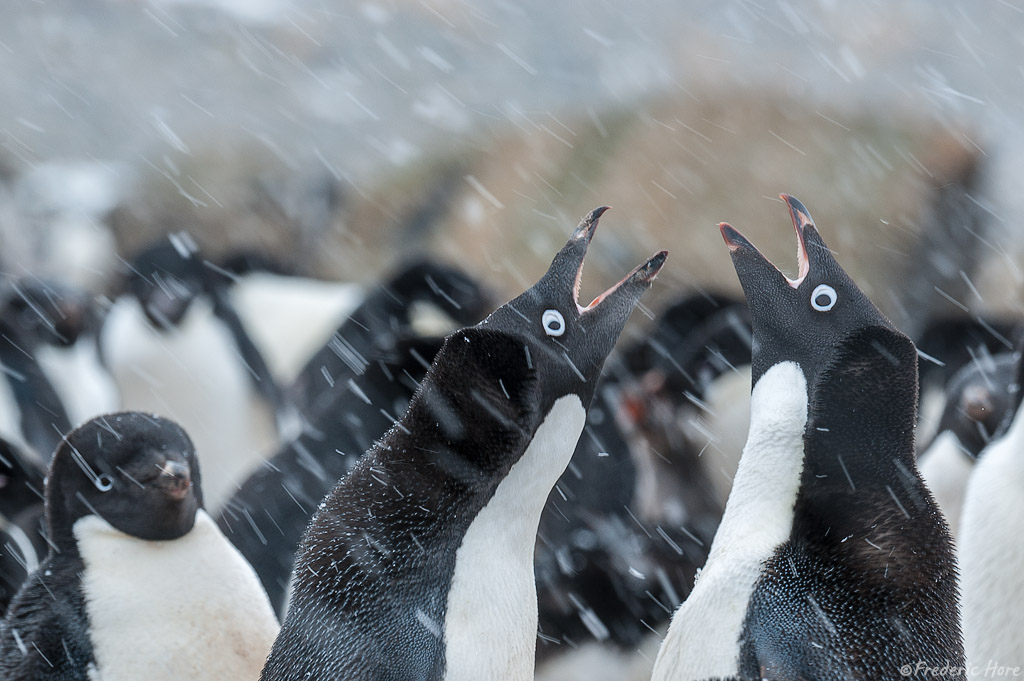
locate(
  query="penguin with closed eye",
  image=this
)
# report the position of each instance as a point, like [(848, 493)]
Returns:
[(945, 346), (981, 400), (138, 583), (419, 564), (989, 547), (832, 561)]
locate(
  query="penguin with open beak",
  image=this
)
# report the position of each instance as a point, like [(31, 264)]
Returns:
[(832, 561), (419, 565)]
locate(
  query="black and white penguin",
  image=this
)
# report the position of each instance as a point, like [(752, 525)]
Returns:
[(62, 324), (990, 550), (422, 298), (21, 513), (265, 519), (831, 560), (139, 583), (980, 402), (420, 563), (945, 346), (176, 346)]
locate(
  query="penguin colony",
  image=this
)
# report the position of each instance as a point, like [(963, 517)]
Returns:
[(442, 489)]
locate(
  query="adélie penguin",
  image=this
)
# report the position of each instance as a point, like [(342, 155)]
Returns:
[(991, 553), (177, 347), (419, 564), (139, 583), (832, 561), (62, 324), (980, 401)]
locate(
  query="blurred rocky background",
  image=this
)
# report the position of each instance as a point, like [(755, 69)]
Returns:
[(342, 137)]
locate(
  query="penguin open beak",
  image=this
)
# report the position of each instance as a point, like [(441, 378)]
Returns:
[(630, 287), (580, 337), (175, 480), (743, 250)]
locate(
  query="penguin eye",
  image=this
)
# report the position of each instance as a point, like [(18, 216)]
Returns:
[(823, 298), (104, 482), (553, 323)]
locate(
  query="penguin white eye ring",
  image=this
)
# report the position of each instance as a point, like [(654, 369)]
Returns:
[(554, 324), (104, 482), (823, 298)]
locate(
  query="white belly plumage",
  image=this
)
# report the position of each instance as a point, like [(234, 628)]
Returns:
[(193, 375), (490, 628), (704, 639), (190, 608)]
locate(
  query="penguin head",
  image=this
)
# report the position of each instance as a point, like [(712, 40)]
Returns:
[(138, 472), (48, 312), (816, 319), (566, 342), (166, 278), (981, 400)]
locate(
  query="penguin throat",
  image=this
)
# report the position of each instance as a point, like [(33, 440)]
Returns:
[(764, 491), (491, 619)]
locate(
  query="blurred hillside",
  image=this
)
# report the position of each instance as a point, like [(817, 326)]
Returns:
[(344, 137), (501, 204)]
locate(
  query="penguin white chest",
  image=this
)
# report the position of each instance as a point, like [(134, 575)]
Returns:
[(290, 318), (704, 639), (194, 375), (991, 556), (190, 608), (490, 630), (85, 387)]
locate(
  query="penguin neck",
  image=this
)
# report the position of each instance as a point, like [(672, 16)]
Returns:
[(862, 502), (491, 618), (860, 436), (759, 512)]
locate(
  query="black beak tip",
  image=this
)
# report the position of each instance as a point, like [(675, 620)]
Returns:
[(733, 239), (589, 223), (801, 216), (653, 266)]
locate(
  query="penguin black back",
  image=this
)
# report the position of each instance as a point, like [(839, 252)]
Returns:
[(22, 545), (25, 327), (389, 312), (266, 517)]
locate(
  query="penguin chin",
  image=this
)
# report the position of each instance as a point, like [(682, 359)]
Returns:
[(165, 520)]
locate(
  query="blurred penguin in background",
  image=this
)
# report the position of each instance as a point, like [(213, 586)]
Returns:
[(176, 346)]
